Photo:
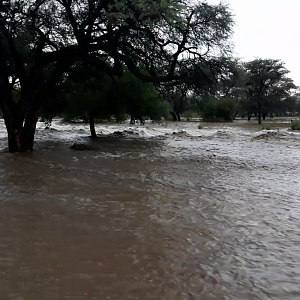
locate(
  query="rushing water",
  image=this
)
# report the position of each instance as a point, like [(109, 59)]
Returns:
[(203, 214)]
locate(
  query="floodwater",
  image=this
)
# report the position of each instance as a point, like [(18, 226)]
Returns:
[(199, 215)]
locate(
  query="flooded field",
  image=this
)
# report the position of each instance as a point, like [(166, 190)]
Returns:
[(164, 211)]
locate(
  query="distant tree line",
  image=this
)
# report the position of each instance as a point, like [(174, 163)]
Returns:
[(258, 88)]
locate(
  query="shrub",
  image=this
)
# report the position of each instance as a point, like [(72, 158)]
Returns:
[(200, 126), (209, 112), (295, 125), (219, 111), (226, 110)]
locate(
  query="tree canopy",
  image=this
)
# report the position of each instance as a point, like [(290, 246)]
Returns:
[(157, 41), (267, 84)]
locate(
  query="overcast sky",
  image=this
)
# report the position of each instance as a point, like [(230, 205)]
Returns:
[(268, 29)]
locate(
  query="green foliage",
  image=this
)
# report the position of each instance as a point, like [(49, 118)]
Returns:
[(268, 87), (196, 105), (209, 113), (226, 110), (107, 97), (218, 111), (295, 125), (145, 34), (46, 44), (140, 99)]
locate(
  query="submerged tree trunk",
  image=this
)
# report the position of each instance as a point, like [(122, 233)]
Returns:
[(132, 120), (92, 126), (20, 133), (174, 116)]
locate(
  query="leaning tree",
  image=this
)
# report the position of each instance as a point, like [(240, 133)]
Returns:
[(41, 39)]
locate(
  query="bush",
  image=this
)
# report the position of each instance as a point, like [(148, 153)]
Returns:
[(226, 110), (295, 125), (219, 111), (209, 113), (200, 126)]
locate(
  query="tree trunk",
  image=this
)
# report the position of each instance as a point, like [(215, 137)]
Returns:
[(259, 111), (264, 115), (178, 116), (249, 116), (174, 116), (92, 126), (259, 118), (21, 137), (132, 120)]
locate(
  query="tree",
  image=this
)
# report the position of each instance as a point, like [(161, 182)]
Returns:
[(90, 94), (217, 110), (41, 39), (280, 97), (141, 100), (266, 83), (247, 107), (176, 96)]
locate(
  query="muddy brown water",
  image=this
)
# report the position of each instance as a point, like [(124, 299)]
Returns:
[(209, 214)]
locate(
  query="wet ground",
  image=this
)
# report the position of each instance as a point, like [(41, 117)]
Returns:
[(199, 214)]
